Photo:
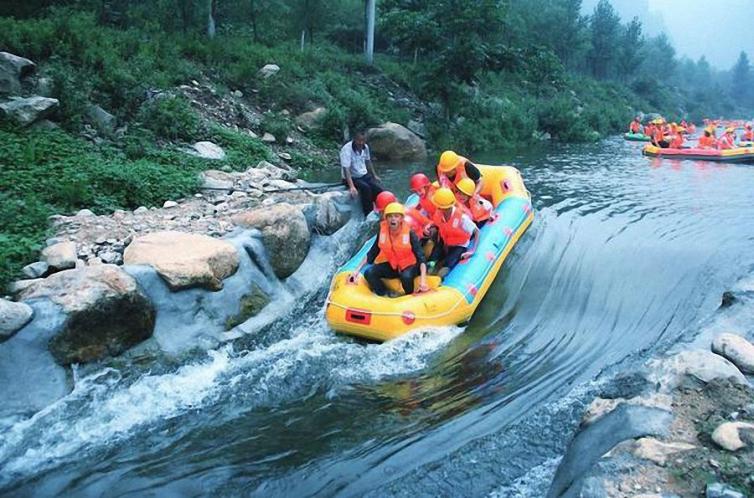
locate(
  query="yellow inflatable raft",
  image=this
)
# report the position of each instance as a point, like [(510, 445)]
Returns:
[(353, 309)]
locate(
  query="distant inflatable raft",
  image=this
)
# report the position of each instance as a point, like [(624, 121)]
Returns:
[(737, 155), (636, 137), (353, 309)]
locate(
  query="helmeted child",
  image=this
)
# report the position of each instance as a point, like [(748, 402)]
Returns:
[(452, 168), (479, 208), (457, 233)]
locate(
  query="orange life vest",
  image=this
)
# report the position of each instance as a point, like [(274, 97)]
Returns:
[(677, 142), (658, 134), (397, 251), (748, 136), (451, 230), (426, 202), (706, 142), (416, 220), (634, 127)]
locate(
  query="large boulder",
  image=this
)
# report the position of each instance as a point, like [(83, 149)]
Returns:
[(329, 212), (60, 256), (285, 234), (13, 316), (217, 180), (184, 260), (736, 349), (394, 141), (106, 312), (691, 368), (26, 111), (311, 119), (12, 69)]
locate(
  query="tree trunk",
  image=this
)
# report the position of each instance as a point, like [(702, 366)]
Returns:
[(303, 39), (416, 55), (370, 11), (211, 28)]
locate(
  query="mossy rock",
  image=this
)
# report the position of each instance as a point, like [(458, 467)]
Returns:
[(251, 305)]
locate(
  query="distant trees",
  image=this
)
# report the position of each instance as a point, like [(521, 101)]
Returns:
[(605, 25), (741, 79), (629, 54)]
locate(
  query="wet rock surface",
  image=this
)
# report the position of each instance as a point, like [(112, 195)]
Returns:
[(13, 316), (106, 313)]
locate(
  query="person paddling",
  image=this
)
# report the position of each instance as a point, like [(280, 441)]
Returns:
[(396, 253), (748, 135), (707, 141), (728, 140)]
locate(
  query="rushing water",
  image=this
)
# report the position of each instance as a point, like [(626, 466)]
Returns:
[(626, 256)]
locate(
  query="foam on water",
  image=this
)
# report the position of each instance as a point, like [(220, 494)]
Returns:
[(104, 409)]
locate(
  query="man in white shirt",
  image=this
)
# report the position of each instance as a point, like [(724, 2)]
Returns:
[(357, 172)]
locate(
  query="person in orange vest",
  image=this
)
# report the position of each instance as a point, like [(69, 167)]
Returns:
[(396, 253), (707, 141), (658, 135), (479, 208), (728, 140), (635, 125), (421, 186), (458, 234), (748, 133), (452, 168), (649, 129), (676, 141)]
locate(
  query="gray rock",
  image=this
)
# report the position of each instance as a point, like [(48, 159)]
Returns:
[(331, 211), (720, 490), (43, 87), (311, 119), (208, 150), (45, 125), (588, 446), (728, 435), (20, 285), (60, 256), (170, 204), (36, 270), (85, 213), (13, 316), (25, 111), (736, 349), (12, 69), (284, 156), (417, 127), (141, 210), (394, 141), (111, 257), (102, 120), (269, 70), (106, 313), (269, 138), (285, 234), (691, 368), (217, 180)]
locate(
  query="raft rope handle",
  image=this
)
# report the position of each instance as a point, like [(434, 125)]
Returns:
[(464, 294)]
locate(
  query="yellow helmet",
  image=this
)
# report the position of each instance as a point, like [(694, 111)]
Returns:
[(448, 161), (444, 198), (467, 186), (730, 129), (394, 208)]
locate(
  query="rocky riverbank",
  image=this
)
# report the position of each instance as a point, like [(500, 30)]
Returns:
[(682, 425)]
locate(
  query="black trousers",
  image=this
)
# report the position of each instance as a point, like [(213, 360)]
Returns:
[(452, 254), (375, 273), (368, 189)]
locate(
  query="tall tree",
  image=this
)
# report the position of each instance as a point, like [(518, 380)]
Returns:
[(741, 78), (605, 25), (629, 58)]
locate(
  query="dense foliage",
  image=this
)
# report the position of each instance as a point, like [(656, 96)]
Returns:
[(481, 74)]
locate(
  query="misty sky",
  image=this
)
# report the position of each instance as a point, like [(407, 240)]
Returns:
[(718, 29)]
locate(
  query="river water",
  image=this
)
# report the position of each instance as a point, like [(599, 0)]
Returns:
[(626, 257)]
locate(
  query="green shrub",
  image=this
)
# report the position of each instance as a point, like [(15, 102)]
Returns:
[(242, 151), (276, 124), (171, 118)]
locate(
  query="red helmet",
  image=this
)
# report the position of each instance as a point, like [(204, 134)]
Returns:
[(383, 199), (419, 181)]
